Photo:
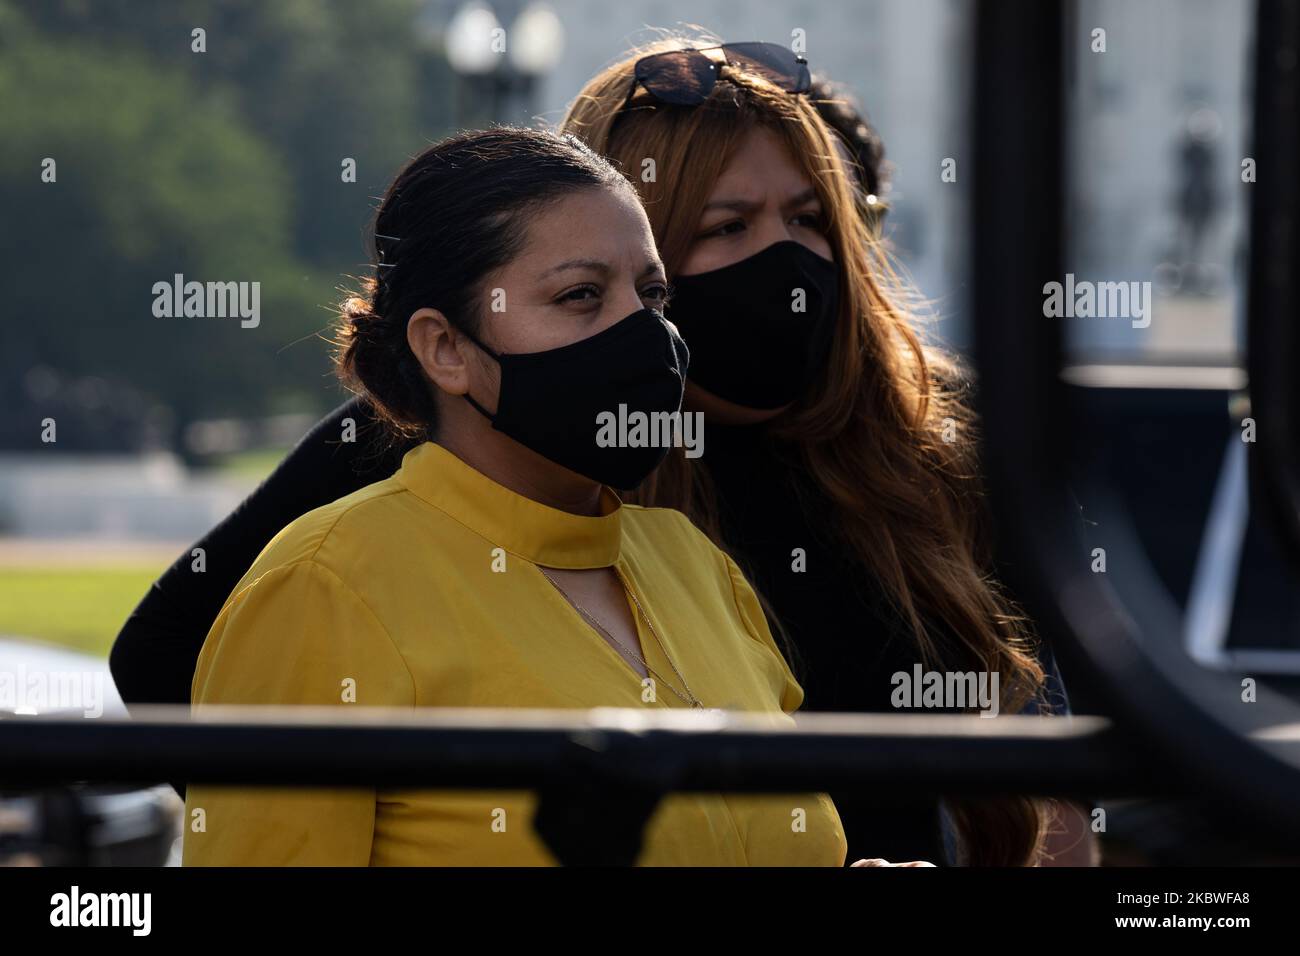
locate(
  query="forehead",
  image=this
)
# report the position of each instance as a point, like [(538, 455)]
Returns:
[(599, 223), (761, 164)]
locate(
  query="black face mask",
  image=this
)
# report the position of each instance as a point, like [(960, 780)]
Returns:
[(552, 401), (748, 344)]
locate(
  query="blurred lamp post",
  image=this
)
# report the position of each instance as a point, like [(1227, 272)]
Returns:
[(537, 40), (470, 37), (495, 66)]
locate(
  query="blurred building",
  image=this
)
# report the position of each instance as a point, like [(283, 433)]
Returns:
[(1157, 121), (1160, 127)]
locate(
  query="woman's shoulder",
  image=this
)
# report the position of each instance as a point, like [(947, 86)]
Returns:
[(325, 536)]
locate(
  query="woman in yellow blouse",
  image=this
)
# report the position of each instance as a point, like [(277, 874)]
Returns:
[(515, 302)]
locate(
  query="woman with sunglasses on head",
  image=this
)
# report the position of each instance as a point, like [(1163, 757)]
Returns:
[(516, 298), (840, 455)]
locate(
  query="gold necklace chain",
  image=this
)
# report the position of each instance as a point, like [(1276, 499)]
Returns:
[(691, 699)]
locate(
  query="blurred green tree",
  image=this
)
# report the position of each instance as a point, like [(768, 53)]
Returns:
[(222, 166)]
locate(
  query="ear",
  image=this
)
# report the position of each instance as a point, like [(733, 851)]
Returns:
[(441, 349)]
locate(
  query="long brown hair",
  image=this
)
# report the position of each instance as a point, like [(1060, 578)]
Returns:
[(887, 433)]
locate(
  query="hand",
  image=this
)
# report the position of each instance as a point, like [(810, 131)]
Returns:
[(877, 862)]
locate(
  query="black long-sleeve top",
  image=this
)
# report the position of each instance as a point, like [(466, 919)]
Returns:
[(846, 641)]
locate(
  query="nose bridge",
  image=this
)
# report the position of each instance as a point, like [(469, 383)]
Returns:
[(622, 298), (770, 225), (624, 304)]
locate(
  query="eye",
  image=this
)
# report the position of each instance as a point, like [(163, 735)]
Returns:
[(582, 293), (810, 220), (657, 293), (728, 228)]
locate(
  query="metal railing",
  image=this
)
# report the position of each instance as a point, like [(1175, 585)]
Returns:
[(610, 766), (517, 748)]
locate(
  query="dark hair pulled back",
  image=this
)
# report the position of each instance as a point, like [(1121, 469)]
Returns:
[(453, 215)]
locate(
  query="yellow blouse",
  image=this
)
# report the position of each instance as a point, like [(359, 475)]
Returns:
[(423, 591)]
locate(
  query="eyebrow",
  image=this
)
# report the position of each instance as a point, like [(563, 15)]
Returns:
[(739, 205), (807, 196), (748, 205), (570, 264), (652, 266)]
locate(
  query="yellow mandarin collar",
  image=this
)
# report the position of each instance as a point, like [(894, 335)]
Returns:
[(508, 520)]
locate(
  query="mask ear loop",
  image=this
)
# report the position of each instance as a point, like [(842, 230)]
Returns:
[(496, 356)]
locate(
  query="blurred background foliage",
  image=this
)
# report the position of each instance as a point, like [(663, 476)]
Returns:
[(223, 165)]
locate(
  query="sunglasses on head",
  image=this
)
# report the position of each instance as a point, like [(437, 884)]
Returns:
[(687, 77)]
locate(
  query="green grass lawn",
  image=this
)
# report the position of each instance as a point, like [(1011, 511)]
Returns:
[(80, 608)]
